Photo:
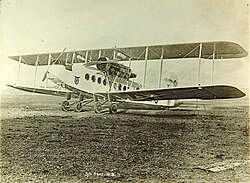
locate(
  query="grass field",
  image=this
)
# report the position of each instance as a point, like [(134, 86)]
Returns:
[(41, 143)]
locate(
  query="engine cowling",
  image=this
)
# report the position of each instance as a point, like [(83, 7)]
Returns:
[(114, 69), (103, 66)]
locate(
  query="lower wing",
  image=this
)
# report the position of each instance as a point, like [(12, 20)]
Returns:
[(46, 91), (204, 92)]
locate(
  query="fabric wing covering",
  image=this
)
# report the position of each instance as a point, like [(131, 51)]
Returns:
[(204, 92), (223, 50)]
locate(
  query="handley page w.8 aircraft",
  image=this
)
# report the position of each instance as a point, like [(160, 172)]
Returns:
[(99, 78)]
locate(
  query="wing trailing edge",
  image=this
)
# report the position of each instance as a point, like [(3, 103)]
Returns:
[(46, 91), (223, 50), (204, 93)]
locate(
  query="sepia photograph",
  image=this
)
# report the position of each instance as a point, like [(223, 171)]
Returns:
[(124, 91)]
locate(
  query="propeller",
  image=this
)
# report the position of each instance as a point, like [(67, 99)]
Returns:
[(47, 71), (45, 76)]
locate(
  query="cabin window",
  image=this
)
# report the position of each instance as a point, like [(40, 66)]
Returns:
[(87, 76), (115, 86), (124, 88), (137, 88), (99, 80), (93, 78), (119, 87), (104, 82)]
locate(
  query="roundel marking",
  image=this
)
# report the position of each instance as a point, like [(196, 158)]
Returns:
[(77, 80)]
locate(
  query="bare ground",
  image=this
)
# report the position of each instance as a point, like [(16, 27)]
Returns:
[(40, 143)]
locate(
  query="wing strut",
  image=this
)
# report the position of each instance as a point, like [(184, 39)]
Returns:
[(161, 67), (145, 69), (99, 54), (19, 68), (37, 60), (86, 56), (67, 57), (199, 71), (73, 58), (49, 60), (213, 64)]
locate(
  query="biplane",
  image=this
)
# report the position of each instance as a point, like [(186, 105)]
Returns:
[(99, 77)]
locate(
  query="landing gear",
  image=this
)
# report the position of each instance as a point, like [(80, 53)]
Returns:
[(113, 108), (98, 107), (99, 101), (112, 105), (78, 107), (65, 105)]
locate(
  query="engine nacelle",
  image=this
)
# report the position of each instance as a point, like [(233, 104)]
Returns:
[(115, 69)]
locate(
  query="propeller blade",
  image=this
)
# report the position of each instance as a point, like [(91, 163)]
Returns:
[(45, 76), (60, 55)]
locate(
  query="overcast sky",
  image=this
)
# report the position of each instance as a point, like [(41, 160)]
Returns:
[(40, 26)]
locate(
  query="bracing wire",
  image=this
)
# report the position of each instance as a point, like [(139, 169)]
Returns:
[(185, 75)]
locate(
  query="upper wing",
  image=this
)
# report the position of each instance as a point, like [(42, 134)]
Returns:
[(172, 51), (204, 92)]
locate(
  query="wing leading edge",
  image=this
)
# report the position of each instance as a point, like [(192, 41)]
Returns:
[(46, 91), (223, 50), (204, 92)]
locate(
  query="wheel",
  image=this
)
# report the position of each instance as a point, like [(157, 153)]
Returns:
[(113, 108), (65, 105), (98, 108), (78, 107)]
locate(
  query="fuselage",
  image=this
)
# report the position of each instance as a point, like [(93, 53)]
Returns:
[(91, 80)]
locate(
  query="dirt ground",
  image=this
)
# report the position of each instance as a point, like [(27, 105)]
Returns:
[(41, 143)]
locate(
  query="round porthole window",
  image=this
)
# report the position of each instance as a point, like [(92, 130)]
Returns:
[(93, 78), (115, 85), (87, 76), (99, 80), (119, 87), (104, 82)]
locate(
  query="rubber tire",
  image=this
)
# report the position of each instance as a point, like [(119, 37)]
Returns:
[(65, 105), (113, 108), (78, 107), (98, 108)]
